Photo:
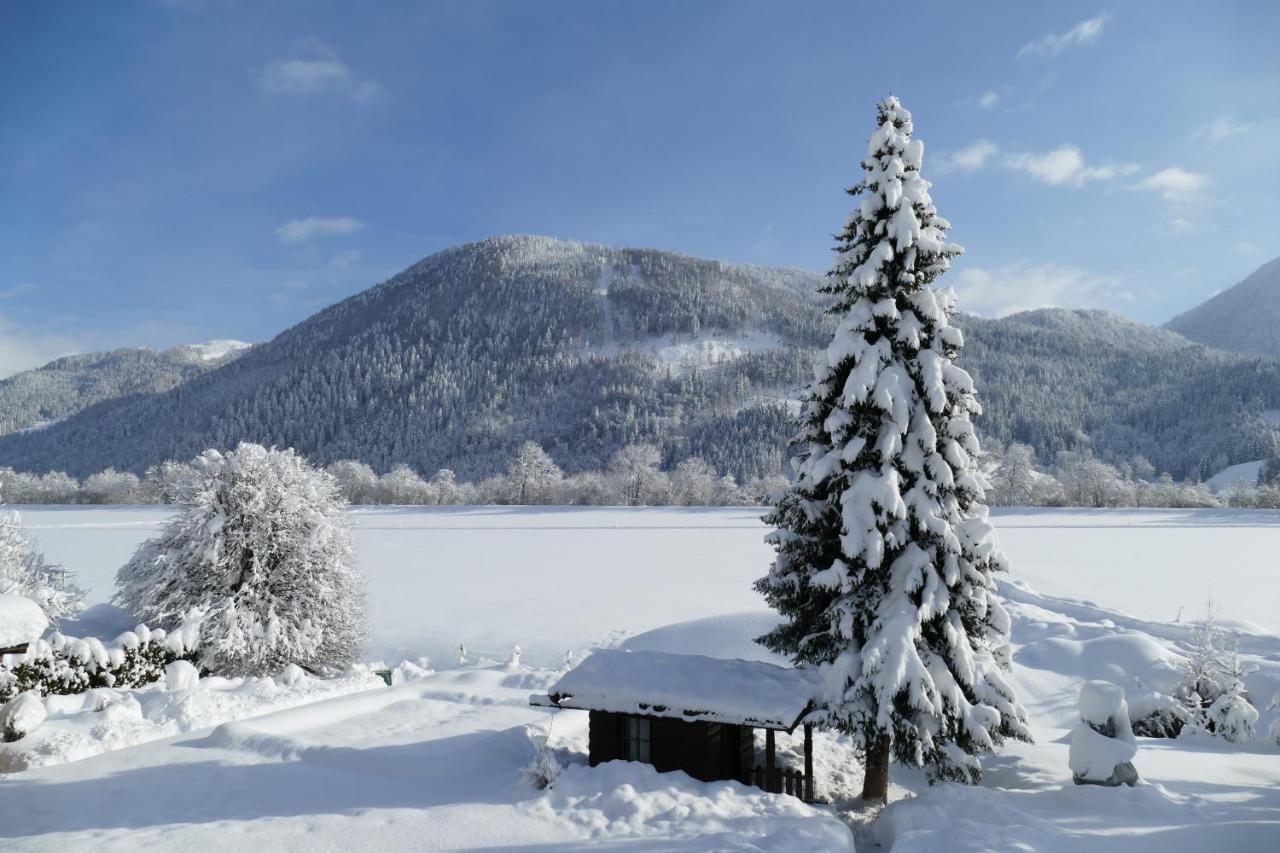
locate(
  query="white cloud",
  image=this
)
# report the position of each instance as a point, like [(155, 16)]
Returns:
[(345, 260), (22, 288), (22, 348), (1223, 128), (300, 230), (1174, 184), (321, 74), (1023, 287), (970, 158), (989, 100), (1084, 32), (1065, 165)]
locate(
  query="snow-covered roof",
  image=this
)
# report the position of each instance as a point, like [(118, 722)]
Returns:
[(21, 621), (687, 687)]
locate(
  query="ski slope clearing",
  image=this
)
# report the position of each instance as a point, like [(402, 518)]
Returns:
[(436, 762)]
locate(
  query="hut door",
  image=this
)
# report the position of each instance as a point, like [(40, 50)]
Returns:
[(635, 739)]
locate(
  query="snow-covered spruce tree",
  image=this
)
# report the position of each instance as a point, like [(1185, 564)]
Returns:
[(885, 561), (262, 547), (25, 571)]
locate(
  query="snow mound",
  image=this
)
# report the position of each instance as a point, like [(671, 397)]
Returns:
[(1245, 472), (21, 621), (1100, 701), (620, 799), (729, 636), (1126, 658)]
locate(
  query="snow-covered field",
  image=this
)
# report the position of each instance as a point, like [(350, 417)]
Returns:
[(435, 762)]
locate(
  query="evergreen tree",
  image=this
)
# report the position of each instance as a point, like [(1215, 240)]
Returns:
[(885, 560), (262, 548)]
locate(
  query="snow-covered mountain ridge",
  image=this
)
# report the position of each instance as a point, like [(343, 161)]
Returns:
[(38, 398), (584, 348), (1242, 318)]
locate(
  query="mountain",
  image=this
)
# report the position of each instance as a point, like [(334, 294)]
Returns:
[(1242, 318), (585, 348), (35, 398)]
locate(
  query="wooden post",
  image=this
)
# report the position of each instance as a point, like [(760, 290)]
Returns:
[(769, 760), (808, 762)]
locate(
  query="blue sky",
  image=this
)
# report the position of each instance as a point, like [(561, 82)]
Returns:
[(178, 171)]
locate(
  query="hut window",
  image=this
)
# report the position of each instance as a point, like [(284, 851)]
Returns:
[(635, 739)]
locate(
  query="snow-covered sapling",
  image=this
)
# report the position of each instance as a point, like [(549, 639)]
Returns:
[(543, 768), (886, 563), (24, 571), (1274, 730), (513, 662), (262, 547), (1102, 744), (462, 654)]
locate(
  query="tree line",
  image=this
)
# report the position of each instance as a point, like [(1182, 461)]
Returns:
[(636, 476)]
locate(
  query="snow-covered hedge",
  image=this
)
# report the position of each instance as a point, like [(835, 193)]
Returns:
[(64, 665)]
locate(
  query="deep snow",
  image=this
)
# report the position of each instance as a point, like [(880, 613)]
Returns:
[(436, 761)]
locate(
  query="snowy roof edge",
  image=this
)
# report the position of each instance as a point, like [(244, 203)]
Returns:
[(567, 702), (694, 688)]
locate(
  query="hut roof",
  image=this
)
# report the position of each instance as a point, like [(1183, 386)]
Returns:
[(687, 687)]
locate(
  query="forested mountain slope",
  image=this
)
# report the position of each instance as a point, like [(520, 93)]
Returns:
[(585, 348), (1242, 318), (66, 385)]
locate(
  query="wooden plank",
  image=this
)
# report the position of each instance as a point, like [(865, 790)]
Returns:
[(770, 760)]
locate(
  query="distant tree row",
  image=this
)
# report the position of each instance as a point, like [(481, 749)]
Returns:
[(635, 476), (1079, 479)]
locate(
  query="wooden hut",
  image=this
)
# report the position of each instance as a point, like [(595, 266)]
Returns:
[(692, 713)]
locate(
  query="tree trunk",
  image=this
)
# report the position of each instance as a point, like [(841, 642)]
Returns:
[(875, 782)]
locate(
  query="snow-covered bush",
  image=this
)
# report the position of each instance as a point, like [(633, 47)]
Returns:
[(1155, 714), (263, 549), (21, 716), (181, 675), (24, 571), (1102, 744), (886, 562), (1212, 689), (21, 621), (1274, 731), (64, 665)]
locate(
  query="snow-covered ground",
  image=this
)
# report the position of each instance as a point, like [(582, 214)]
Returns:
[(1244, 472), (435, 762)]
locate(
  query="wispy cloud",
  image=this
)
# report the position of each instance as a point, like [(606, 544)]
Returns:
[(345, 260), (1174, 184), (1223, 128), (988, 100), (970, 158), (1066, 166), (318, 72), (22, 348), (18, 290), (1022, 287), (1084, 32), (301, 230)]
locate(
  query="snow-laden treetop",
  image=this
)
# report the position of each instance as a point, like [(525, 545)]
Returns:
[(886, 561)]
